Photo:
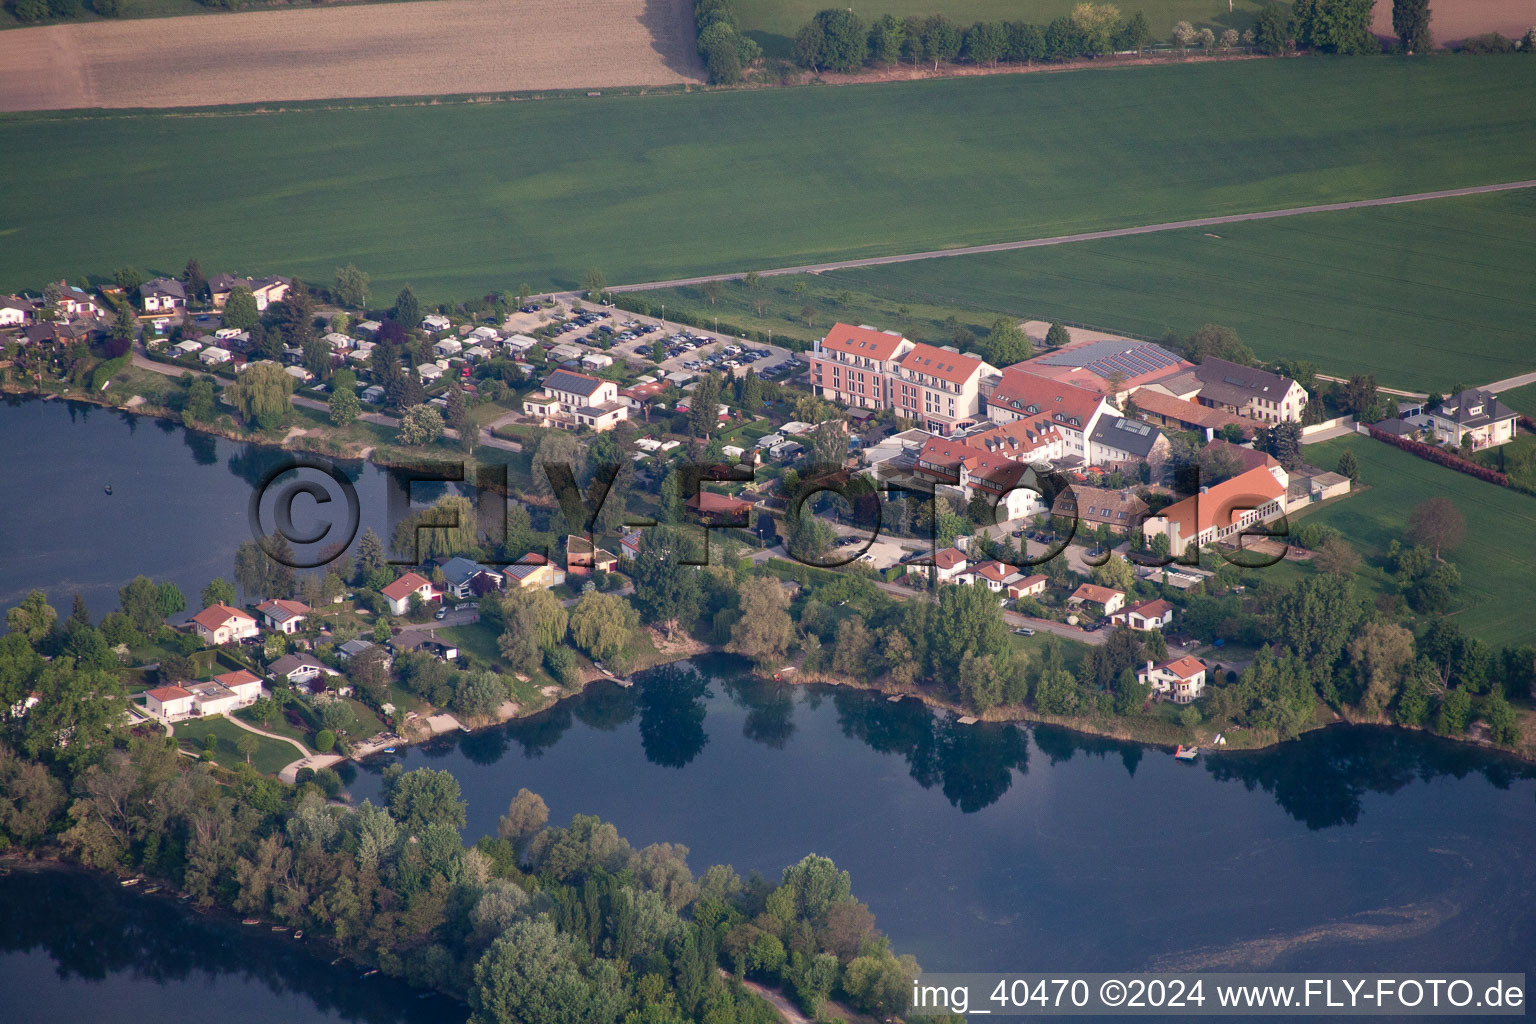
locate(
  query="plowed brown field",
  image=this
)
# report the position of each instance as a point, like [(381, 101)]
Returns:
[(431, 48)]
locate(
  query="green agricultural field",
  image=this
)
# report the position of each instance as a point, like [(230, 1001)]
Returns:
[(1495, 558), (460, 199), (1522, 399), (773, 23), (1422, 295)]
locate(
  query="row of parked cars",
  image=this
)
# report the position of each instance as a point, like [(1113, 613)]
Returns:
[(731, 356)]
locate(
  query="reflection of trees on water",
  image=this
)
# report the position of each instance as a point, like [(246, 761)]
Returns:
[(672, 715), (972, 765), (1321, 778), (91, 928)]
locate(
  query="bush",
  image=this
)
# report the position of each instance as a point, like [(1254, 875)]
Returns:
[(562, 665), (325, 740), (1490, 42)]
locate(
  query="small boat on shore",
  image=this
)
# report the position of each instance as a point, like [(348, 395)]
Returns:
[(125, 883), (369, 974), (251, 921), (299, 934), (966, 720), (151, 890), (279, 927), (1186, 753)]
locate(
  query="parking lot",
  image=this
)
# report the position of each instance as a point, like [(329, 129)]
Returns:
[(632, 336)]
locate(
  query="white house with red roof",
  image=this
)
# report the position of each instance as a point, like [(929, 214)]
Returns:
[(1219, 512), (1144, 615), (946, 565), (1182, 679), (993, 575), (168, 703), (283, 615), (398, 593), (1026, 586), (220, 624), (1105, 598), (1071, 410)]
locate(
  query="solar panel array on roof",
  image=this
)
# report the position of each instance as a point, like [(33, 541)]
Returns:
[(1104, 358)]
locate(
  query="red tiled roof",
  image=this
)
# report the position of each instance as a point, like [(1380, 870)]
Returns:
[(994, 571), (1155, 609), (237, 678), (283, 605), (1028, 582), (861, 341), (165, 693), (1095, 593), (710, 502), (949, 558), (405, 586), (1199, 512), (1185, 668), (215, 616), (936, 362), (1016, 439), (1168, 407), (1031, 395)]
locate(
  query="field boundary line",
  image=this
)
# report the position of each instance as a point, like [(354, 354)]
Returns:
[(1086, 236)]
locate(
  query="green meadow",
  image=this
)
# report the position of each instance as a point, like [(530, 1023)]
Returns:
[(462, 198), (1495, 558), (1423, 295)]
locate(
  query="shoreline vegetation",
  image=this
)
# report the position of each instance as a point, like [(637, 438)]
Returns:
[(671, 649), (538, 922)]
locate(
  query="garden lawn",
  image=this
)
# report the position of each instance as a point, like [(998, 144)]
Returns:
[(464, 198), (476, 640), (1494, 599), (270, 756), (1422, 295)]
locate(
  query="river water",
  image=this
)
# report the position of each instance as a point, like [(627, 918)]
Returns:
[(978, 847)]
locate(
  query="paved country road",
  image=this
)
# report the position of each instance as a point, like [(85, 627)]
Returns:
[(1087, 236)]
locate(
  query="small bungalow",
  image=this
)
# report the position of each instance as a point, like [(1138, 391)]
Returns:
[(465, 579), (399, 593), (1144, 616), (1091, 594), (282, 615), (301, 670), (582, 557), (535, 572)]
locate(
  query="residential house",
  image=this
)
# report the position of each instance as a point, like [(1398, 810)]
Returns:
[(162, 295), (575, 400), (1092, 595), (168, 703), (265, 290), (719, 508), (946, 564), (1026, 586), (1240, 390), (1220, 511), (1182, 679), (283, 615), (16, 311), (582, 557), (1144, 616), (596, 360), (535, 572), (1158, 406), (352, 648), (995, 576), (399, 593), (433, 323), (1071, 410), (1119, 441), (1473, 413), (77, 302), (465, 579), (220, 624), (1121, 511), (302, 671)]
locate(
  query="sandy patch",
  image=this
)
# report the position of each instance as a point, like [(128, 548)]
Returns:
[(430, 48)]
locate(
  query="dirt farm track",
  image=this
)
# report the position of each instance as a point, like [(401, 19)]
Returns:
[(432, 47)]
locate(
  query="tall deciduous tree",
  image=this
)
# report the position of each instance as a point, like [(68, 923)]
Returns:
[(1437, 524), (240, 309), (351, 288)]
